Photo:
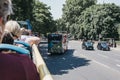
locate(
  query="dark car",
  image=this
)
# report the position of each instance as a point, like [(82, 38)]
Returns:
[(103, 46), (87, 45)]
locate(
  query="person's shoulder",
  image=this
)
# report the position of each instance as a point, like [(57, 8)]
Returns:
[(21, 56), (14, 55), (14, 58)]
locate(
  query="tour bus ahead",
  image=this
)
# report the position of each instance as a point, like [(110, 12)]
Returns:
[(57, 43)]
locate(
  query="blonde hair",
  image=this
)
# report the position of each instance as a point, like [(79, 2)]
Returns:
[(22, 30), (13, 27)]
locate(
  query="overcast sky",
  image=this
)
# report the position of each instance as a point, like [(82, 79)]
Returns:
[(57, 5)]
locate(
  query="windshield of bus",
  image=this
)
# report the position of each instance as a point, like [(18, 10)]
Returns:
[(54, 37)]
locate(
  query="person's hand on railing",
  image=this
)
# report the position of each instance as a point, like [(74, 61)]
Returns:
[(33, 40)]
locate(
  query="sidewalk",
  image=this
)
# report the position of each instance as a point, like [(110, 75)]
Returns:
[(116, 48)]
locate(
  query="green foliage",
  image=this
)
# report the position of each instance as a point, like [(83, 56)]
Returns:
[(71, 12), (23, 9), (85, 18), (43, 22), (101, 20), (60, 23), (38, 14), (73, 8)]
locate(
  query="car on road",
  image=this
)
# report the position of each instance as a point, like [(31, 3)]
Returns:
[(87, 45), (103, 46)]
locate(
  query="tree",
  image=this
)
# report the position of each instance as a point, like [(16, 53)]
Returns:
[(72, 10), (100, 20), (38, 14), (23, 9), (43, 21), (60, 25)]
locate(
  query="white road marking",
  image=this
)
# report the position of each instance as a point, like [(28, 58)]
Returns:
[(97, 62), (106, 66), (103, 56), (102, 64), (118, 65)]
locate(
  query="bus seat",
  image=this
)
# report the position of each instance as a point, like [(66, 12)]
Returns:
[(14, 48), (26, 45)]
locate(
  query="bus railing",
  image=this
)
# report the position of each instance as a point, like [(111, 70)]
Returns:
[(40, 64)]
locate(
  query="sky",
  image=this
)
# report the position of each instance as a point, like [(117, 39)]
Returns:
[(57, 5)]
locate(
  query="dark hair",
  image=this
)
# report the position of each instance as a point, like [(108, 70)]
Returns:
[(25, 33), (7, 38)]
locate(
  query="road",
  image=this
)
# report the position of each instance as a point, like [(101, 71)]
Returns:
[(79, 64)]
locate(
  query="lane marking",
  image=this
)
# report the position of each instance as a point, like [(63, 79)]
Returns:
[(97, 62), (103, 56), (118, 65), (106, 66), (102, 64)]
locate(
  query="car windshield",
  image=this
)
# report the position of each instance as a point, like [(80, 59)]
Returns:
[(104, 44), (89, 43)]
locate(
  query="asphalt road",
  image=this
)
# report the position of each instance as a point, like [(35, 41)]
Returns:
[(79, 64)]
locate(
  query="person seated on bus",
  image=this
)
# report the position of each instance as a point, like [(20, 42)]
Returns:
[(14, 66), (28, 38), (12, 32)]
